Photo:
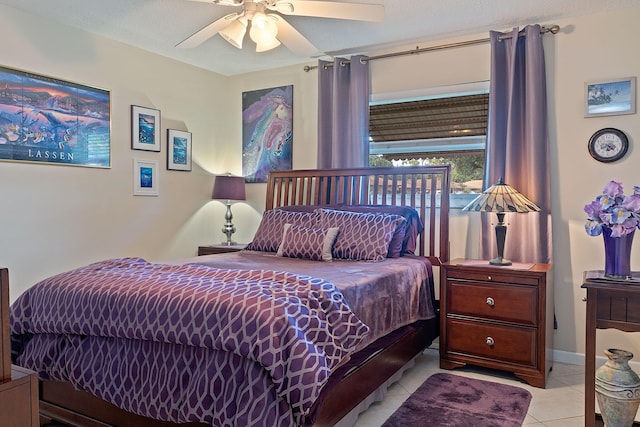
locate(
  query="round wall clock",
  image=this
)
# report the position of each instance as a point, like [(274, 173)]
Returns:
[(608, 145)]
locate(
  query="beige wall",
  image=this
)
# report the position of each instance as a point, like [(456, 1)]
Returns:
[(55, 218), (58, 217)]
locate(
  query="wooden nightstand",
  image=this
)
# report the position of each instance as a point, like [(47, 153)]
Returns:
[(220, 249), (19, 399), (497, 317), (18, 386)]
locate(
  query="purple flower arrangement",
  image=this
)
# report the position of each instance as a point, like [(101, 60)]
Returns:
[(614, 210)]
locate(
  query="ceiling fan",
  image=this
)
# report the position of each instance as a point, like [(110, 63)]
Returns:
[(269, 30)]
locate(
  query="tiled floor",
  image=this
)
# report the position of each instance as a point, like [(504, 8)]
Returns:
[(560, 404)]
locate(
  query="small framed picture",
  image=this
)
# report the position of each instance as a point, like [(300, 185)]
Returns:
[(178, 150), (145, 128), (145, 177), (610, 97)]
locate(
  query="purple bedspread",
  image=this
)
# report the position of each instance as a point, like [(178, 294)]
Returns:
[(385, 295), (225, 347)]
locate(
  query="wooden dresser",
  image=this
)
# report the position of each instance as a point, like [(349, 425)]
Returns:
[(497, 317), (611, 304), (18, 386)]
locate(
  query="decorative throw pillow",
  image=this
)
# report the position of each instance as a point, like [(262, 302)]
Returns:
[(363, 236), (408, 237), (308, 243), (269, 234), (405, 238)]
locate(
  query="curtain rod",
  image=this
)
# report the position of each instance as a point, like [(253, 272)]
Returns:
[(553, 29)]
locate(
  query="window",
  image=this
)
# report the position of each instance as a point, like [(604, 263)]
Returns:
[(438, 129)]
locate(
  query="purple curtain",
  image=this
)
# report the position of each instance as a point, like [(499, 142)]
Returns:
[(343, 113), (518, 143)]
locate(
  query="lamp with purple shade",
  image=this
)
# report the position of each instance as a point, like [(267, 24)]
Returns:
[(501, 198), (228, 187)]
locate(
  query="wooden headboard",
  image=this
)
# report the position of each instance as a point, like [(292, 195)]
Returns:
[(421, 187)]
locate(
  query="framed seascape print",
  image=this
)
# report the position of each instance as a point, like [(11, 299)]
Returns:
[(48, 120), (145, 128), (610, 97), (145, 177), (267, 132), (178, 150)]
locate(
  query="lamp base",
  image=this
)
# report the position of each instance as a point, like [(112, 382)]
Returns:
[(500, 261), (228, 243)]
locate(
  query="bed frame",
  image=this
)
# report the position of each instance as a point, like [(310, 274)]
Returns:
[(421, 187)]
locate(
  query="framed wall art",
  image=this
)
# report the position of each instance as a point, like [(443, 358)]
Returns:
[(48, 120), (145, 128), (178, 150), (145, 177), (267, 132), (610, 97)]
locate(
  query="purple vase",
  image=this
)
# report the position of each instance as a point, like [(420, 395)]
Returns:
[(617, 254)]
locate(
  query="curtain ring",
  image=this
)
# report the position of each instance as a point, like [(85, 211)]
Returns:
[(343, 63)]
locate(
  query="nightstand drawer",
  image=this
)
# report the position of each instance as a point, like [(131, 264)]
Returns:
[(518, 304), (507, 344), (491, 275)]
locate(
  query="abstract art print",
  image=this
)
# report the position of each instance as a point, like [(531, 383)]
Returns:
[(178, 150), (145, 128), (267, 132), (610, 98), (145, 177), (48, 120)]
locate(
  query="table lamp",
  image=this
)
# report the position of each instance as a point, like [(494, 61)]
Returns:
[(228, 187), (501, 198)]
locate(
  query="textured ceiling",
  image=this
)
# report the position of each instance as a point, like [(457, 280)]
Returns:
[(158, 25)]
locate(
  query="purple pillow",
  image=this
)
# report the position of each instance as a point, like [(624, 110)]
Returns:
[(269, 234), (404, 240), (308, 243), (363, 236)]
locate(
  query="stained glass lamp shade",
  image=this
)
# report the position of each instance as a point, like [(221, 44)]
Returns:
[(501, 198)]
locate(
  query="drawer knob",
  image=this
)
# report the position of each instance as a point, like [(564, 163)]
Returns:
[(488, 277), (490, 302), (490, 341)]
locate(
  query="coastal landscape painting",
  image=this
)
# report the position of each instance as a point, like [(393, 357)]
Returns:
[(48, 120), (267, 132), (145, 128), (611, 97), (178, 150), (145, 177)]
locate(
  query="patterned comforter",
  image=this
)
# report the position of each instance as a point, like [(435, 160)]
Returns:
[(224, 347)]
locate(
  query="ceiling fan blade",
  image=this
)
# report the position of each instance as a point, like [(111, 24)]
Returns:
[(331, 9), (207, 32), (292, 39)]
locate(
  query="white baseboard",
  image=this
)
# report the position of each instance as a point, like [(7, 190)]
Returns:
[(561, 356), (567, 357)]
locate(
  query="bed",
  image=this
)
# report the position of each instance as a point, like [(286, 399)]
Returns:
[(348, 360)]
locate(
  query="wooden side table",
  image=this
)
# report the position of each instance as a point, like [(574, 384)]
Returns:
[(497, 317), (19, 399), (220, 249), (18, 386), (610, 304)]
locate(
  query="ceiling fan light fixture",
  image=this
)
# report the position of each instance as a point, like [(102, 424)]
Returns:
[(265, 46), (264, 31), (234, 32)]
